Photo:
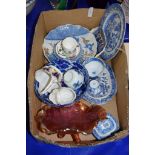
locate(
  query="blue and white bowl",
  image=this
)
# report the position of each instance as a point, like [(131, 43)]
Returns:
[(102, 85), (64, 66), (106, 127)]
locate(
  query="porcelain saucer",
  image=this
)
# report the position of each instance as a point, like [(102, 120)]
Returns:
[(87, 41), (113, 26)]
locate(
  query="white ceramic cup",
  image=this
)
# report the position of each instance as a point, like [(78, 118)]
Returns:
[(71, 77), (94, 84), (69, 44), (65, 96)]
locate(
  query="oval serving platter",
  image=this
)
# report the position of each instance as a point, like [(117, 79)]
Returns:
[(107, 83), (113, 26), (63, 66)]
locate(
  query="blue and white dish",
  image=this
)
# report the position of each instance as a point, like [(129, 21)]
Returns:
[(64, 31), (106, 127), (63, 66), (89, 45), (94, 67), (68, 49), (100, 38), (112, 26), (85, 39), (102, 85)]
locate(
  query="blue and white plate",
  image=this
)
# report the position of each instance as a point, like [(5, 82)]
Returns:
[(64, 66), (106, 127), (102, 83), (68, 30), (86, 40), (100, 38), (113, 27)]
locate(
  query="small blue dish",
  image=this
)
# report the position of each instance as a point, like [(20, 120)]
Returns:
[(102, 85), (106, 127), (64, 66), (85, 39)]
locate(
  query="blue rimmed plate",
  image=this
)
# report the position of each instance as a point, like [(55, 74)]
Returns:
[(102, 83), (86, 40), (112, 26), (106, 127), (68, 30), (64, 66)]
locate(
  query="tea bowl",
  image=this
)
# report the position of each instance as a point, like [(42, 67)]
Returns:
[(94, 67), (68, 48), (62, 96)]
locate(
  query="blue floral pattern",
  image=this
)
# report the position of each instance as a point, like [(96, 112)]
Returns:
[(107, 88), (113, 27), (64, 66), (106, 127)]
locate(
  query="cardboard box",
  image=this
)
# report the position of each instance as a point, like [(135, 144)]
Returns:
[(118, 107)]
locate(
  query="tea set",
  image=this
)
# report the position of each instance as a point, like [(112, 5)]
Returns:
[(77, 67)]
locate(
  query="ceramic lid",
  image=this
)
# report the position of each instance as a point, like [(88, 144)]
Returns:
[(106, 127)]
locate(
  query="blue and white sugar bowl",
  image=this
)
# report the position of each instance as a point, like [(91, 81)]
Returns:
[(106, 127)]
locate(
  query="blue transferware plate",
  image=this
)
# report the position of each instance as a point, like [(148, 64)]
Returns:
[(68, 30), (113, 27), (64, 66), (86, 40), (100, 38), (102, 83), (106, 127)]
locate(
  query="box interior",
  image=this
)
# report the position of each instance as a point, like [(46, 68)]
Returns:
[(118, 107)]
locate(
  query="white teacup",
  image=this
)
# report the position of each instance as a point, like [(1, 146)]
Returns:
[(69, 44), (73, 79), (95, 86), (62, 96)]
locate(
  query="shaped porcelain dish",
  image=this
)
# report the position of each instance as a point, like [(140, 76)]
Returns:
[(102, 85), (112, 26)]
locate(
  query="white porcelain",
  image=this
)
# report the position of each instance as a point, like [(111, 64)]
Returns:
[(69, 44), (52, 71), (50, 86), (94, 87), (49, 78), (62, 96), (94, 84), (42, 78), (73, 79), (94, 68), (67, 49)]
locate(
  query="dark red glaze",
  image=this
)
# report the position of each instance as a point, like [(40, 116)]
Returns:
[(75, 119)]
